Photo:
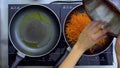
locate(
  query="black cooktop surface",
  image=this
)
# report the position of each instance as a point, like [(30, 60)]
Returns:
[(53, 57)]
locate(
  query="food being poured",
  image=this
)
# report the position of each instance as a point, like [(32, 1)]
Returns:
[(75, 25)]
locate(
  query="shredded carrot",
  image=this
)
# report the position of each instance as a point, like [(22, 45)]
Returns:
[(75, 25)]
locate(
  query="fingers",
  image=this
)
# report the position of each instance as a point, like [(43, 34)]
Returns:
[(88, 26), (94, 26), (102, 33), (98, 26), (91, 25)]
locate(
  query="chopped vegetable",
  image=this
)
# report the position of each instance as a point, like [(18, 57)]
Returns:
[(75, 25)]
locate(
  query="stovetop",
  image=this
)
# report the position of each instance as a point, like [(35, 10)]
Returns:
[(53, 57)]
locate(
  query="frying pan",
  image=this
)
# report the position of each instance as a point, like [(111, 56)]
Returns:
[(97, 49), (34, 31)]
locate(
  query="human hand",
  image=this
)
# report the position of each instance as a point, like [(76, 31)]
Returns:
[(88, 37), (91, 35)]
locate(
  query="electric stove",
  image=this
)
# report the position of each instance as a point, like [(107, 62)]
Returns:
[(53, 57)]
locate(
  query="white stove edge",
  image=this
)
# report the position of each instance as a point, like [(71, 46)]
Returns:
[(4, 35)]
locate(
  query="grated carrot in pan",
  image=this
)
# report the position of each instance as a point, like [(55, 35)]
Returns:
[(75, 25)]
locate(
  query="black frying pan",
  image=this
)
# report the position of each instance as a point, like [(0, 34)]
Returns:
[(97, 49), (34, 31)]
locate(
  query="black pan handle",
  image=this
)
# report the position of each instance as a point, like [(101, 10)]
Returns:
[(66, 2), (19, 57), (62, 59), (16, 62)]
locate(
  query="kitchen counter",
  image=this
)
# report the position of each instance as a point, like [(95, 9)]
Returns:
[(4, 35)]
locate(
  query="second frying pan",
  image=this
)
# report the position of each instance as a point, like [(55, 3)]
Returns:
[(34, 31), (97, 49)]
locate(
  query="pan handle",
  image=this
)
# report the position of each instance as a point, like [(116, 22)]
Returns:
[(19, 57), (62, 59)]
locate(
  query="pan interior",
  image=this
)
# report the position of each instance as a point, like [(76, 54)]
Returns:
[(34, 32), (34, 29), (97, 48)]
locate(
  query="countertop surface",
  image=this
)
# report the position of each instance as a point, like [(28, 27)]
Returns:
[(4, 34)]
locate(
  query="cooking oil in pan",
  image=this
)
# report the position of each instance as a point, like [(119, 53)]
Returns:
[(35, 29)]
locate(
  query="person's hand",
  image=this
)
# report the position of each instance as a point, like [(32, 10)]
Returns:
[(91, 35), (88, 37)]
